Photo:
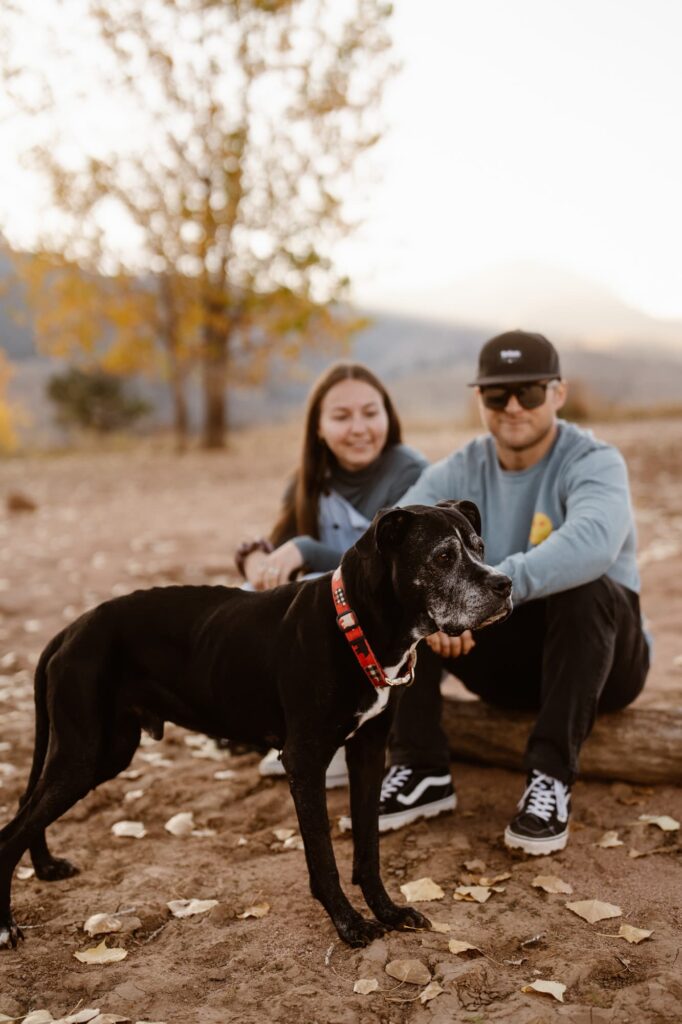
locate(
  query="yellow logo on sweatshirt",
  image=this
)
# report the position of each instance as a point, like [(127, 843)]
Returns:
[(540, 529)]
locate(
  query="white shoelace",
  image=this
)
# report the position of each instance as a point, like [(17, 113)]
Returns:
[(544, 793), (397, 776)]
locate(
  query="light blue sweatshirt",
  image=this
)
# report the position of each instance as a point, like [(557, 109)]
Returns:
[(565, 521)]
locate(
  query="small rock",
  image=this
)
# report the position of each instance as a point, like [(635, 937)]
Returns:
[(17, 501), (414, 972)]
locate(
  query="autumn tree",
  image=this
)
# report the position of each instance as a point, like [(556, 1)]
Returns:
[(235, 179), (10, 413)]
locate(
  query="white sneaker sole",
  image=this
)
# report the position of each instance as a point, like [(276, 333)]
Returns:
[(390, 822), (535, 847), (270, 768)]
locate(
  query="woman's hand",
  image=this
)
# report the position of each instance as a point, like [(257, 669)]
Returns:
[(267, 571), (451, 646)]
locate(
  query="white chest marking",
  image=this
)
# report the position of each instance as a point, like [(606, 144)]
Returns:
[(373, 710), (381, 695)]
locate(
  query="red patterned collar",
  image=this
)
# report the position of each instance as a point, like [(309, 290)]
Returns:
[(351, 629)]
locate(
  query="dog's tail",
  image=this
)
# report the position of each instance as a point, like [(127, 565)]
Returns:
[(42, 728)]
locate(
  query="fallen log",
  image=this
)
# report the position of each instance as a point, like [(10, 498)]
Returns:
[(638, 744)]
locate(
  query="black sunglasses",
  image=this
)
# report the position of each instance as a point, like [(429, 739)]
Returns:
[(529, 396)]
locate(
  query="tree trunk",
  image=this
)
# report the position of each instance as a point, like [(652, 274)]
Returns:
[(216, 335), (177, 375), (214, 371), (638, 744), (180, 411)]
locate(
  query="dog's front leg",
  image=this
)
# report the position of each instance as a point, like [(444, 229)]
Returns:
[(306, 773), (365, 753)]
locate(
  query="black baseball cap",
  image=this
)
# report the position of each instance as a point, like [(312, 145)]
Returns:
[(517, 356)]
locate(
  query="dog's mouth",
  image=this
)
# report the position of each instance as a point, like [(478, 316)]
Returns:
[(503, 613)]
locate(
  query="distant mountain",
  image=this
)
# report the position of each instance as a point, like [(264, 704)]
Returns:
[(426, 363), (555, 301)]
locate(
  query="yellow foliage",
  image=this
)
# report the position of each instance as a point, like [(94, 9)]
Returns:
[(11, 414)]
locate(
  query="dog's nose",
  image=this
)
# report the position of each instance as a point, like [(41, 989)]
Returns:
[(501, 585)]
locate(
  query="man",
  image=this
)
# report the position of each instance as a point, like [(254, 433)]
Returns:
[(557, 518)]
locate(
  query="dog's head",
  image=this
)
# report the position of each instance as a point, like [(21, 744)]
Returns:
[(434, 556)]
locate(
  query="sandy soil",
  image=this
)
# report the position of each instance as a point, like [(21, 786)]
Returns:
[(110, 522)]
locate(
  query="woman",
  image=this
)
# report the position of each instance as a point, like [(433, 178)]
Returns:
[(353, 463)]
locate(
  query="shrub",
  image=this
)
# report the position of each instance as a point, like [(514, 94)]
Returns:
[(94, 400)]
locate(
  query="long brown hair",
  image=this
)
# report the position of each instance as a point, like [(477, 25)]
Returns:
[(299, 515)]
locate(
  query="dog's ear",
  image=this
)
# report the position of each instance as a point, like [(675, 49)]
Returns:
[(470, 511), (391, 527)]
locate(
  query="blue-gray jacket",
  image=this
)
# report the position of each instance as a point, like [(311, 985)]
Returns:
[(565, 521)]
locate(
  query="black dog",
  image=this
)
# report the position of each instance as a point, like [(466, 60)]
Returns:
[(271, 667)]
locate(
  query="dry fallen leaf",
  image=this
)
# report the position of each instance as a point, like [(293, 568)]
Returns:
[(474, 865), (283, 833), (552, 884), (110, 1018), (39, 1017), (100, 954), (422, 891), (491, 882), (594, 910), (132, 794), (548, 988), (188, 908), (456, 946), (472, 893), (82, 1017), (627, 931), (430, 992), (129, 829), (180, 824), (293, 843), (414, 972), (102, 924), (608, 840), (224, 773), (23, 874), (257, 910), (439, 926), (663, 821), (363, 986)]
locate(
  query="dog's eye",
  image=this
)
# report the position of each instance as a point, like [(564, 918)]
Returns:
[(444, 558)]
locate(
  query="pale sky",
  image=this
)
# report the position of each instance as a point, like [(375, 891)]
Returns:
[(543, 130), (530, 129)]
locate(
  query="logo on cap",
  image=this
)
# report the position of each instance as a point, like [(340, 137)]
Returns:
[(510, 354)]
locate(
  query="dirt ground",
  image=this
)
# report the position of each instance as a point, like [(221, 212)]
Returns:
[(106, 523)]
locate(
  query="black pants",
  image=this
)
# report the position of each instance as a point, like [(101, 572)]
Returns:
[(568, 657)]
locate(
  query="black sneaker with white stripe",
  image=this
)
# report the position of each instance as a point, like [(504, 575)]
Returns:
[(408, 794), (541, 826)]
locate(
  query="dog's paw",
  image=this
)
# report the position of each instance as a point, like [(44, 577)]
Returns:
[(402, 918), (55, 869), (360, 932), (10, 933)]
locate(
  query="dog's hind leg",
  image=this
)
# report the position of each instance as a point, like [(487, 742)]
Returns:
[(65, 779), (47, 867), (365, 756), (119, 747), (306, 772)]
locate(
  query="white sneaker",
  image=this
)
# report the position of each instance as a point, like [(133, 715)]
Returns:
[(337, 773)]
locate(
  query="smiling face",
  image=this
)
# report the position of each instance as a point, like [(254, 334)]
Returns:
[(523, 436), (353, 423), (438, 572)]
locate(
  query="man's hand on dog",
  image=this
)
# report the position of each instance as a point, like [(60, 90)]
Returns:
[(451, 646), (267, 571)]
